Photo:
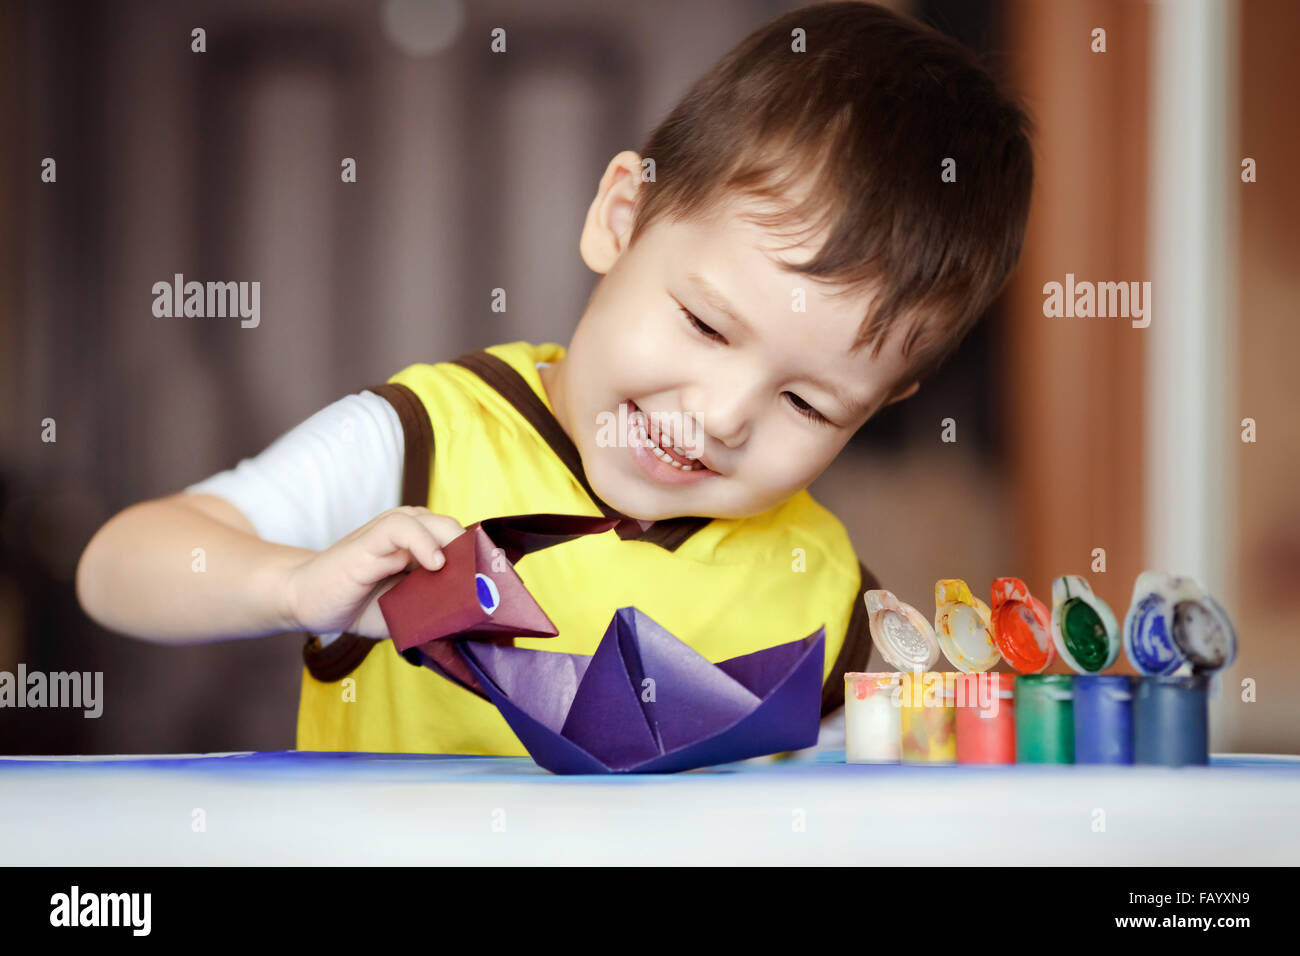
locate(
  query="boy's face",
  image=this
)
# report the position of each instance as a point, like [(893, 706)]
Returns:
[(755, 375)]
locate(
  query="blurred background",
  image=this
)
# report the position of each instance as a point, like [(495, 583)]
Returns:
[(475, 171)]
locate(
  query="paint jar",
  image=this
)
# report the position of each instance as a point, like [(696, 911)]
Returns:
[(1044, 718), (872, 732), (928, 717), (1103, 718), (1171, 721), (986, 718)]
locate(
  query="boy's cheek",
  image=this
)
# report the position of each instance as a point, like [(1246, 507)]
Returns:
[(775, 480)]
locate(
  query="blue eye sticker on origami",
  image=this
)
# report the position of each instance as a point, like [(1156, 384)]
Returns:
[(489, 598)]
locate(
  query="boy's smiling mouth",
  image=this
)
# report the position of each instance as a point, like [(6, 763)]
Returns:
[(664, 463)]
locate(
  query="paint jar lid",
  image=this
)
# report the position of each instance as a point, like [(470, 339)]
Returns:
[(1204, 634), (1023, 634), (1174, 625), (905, 645), (1084, 628), (964, 627)]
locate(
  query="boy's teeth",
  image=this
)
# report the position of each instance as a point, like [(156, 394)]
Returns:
[(663, 455)]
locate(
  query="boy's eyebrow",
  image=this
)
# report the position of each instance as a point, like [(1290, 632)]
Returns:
[(710, 294), (715, 299)]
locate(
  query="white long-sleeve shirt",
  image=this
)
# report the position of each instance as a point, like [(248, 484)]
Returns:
[(322, 479)]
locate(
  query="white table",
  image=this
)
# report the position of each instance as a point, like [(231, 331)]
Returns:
[(313, 808)]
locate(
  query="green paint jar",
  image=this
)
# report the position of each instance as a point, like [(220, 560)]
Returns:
[(1044, 718)]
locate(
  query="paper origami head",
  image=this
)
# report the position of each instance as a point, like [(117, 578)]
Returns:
[(647, 703), (476, 593)]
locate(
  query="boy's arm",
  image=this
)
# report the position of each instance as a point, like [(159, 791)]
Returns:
[(142, 575), (307, 535)]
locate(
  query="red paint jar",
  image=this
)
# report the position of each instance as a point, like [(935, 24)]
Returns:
[(986, 718)]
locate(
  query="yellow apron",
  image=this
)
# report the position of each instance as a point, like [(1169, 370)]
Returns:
[(482, 441)]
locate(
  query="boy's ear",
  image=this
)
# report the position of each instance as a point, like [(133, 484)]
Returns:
[(904, 393), (609, 218)]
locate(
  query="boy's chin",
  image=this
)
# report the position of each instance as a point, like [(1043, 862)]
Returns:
[(635, 507), (643, 502), (622, 495)]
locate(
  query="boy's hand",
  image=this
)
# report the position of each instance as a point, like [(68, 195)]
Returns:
[(338, 589)]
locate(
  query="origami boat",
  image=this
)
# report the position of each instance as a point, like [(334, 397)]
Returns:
[(647, 703), (644, 702)]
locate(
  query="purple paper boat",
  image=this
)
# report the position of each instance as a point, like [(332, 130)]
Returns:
[(647, 703)]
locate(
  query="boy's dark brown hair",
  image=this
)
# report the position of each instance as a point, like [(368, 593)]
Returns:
[(863, 120)]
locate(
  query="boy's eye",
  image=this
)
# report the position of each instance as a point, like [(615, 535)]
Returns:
[(706, 331), (806, 410), (802, 407)]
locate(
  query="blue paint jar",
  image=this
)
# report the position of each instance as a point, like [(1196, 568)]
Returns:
[(1171, 721), (1103, 718)]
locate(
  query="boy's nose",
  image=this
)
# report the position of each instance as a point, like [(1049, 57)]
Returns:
[(724, 413)]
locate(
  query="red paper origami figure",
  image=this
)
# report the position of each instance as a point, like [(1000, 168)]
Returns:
[(476, 593)]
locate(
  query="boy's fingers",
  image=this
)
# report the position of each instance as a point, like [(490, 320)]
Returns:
[(444, 527), (401, 534)]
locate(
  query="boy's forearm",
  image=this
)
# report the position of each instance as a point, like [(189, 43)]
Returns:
[(165, 571)]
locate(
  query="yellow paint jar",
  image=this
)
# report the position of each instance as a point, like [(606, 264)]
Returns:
[(928, 717)]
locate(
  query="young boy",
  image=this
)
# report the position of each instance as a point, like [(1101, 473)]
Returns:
[(844, 178)]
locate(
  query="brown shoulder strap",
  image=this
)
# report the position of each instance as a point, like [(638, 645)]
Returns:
[(417, 460), (855, 652), (344, 654), (669, 533)]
